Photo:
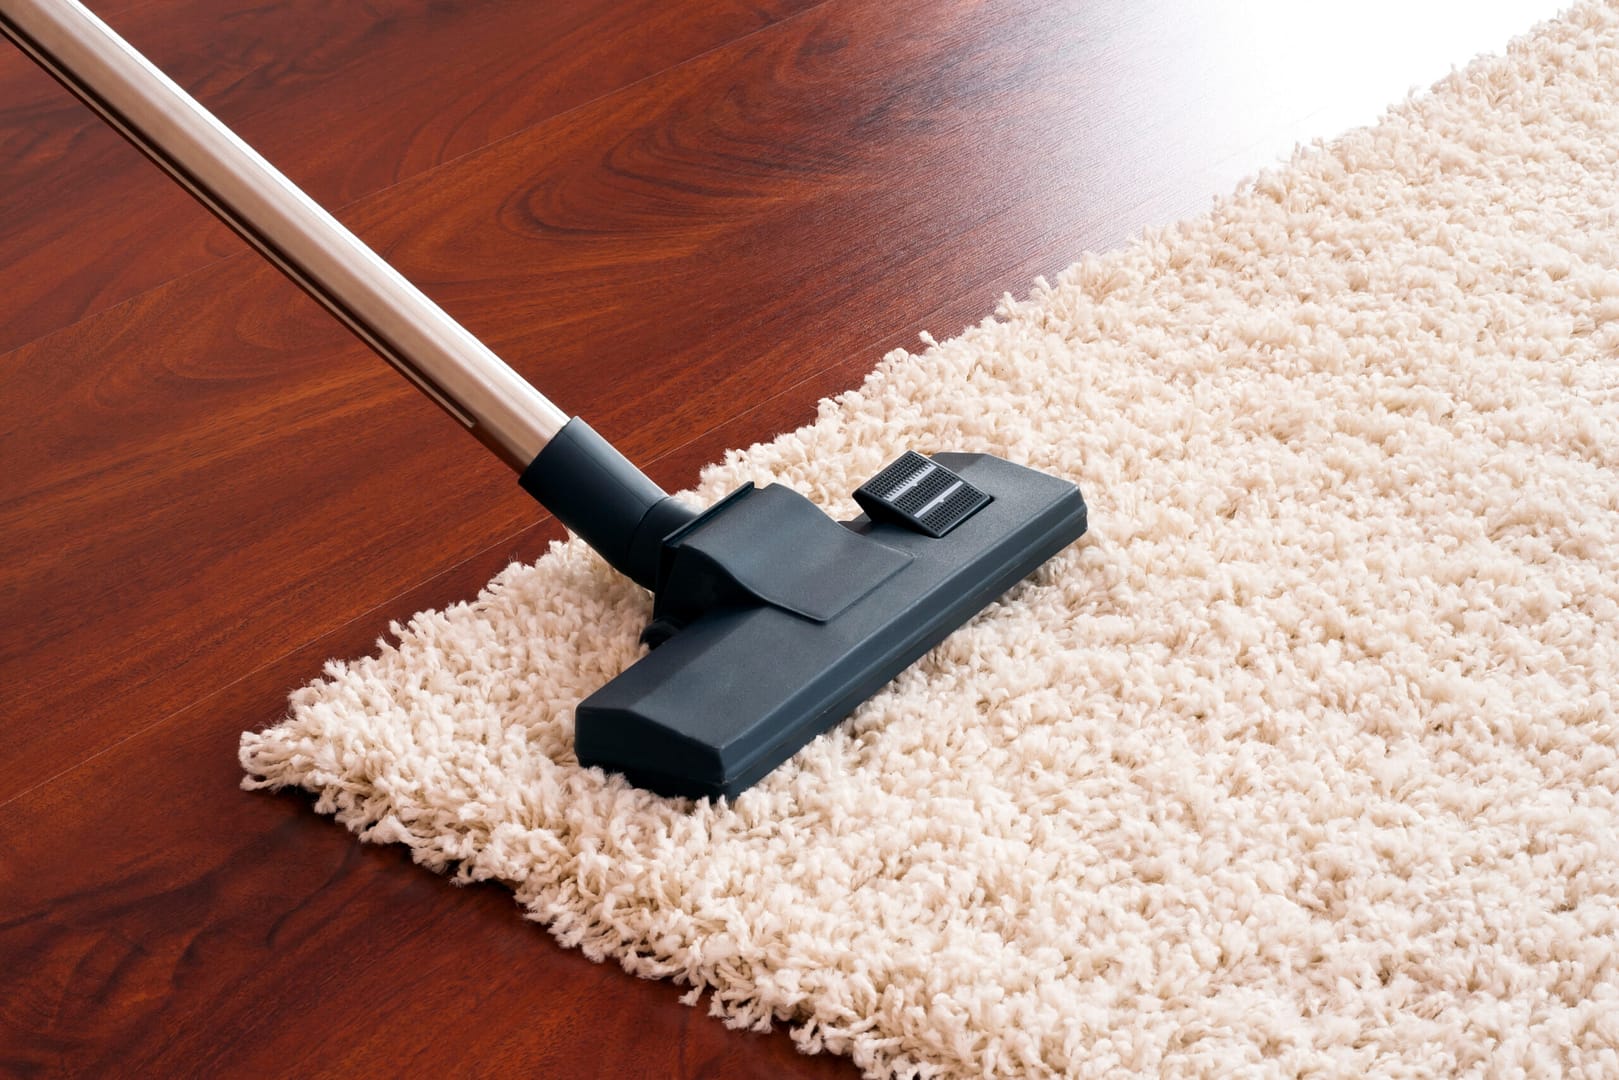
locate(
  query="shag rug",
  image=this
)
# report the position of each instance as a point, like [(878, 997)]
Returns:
[(1304, 761)]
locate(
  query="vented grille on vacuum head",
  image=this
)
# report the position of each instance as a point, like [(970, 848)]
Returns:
[(918, 492)]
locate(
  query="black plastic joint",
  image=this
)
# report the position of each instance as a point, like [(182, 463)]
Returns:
[(598, 494)]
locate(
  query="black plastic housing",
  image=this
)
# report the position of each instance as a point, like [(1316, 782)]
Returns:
[(600, 495), (741, 687)]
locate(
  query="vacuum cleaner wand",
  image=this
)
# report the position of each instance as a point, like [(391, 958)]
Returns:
[(770, 622)]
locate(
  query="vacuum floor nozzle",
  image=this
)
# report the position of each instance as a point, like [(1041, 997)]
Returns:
[(772, 622)]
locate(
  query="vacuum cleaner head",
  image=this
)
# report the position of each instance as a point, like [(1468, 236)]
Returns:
[(772, 622)]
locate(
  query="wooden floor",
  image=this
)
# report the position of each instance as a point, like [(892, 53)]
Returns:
[(687, 222)]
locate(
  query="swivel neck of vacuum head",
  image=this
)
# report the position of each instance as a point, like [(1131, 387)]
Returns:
[(598, 494)]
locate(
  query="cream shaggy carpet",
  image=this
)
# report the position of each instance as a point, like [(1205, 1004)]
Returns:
[(1304, 760)]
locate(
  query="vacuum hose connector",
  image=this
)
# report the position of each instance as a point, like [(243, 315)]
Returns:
[(597, 493)]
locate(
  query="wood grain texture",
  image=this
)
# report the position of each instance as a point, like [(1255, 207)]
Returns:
[(687, 222), (345, 99), (247, 939)]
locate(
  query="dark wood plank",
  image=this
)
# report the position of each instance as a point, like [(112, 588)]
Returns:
[(208, 490), (345, 99), (198, 931)]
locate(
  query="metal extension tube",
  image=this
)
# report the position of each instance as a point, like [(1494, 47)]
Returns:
[(388, 313)]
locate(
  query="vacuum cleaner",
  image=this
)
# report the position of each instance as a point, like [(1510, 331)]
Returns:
[(770, 621)]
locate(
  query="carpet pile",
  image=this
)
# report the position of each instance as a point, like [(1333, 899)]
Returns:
[(1304, 760)]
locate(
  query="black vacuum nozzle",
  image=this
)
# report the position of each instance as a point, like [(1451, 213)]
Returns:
[(772, 622)]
